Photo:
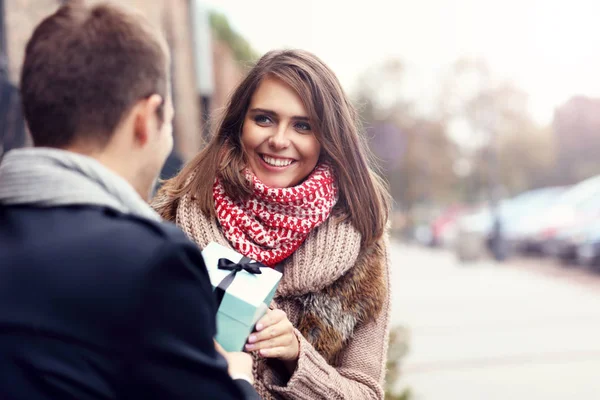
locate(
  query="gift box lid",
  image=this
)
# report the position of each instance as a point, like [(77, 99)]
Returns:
[(247, 295)]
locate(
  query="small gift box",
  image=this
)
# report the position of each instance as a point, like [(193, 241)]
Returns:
[(243, 288)]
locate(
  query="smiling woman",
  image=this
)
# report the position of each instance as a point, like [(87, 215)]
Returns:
[(286, 180), (277, 138)]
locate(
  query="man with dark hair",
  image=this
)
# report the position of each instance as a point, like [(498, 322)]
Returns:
[(99, 299)]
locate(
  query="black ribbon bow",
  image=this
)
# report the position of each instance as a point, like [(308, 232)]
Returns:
[(245, 264)]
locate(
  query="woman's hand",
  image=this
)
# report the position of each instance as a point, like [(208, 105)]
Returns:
[(275, 338)]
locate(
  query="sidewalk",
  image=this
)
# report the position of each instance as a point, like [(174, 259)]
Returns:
[(490, 331)]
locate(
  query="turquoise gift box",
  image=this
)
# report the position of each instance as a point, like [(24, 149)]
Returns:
[(246, 295)]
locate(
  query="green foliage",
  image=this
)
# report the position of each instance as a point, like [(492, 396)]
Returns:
[(405, 395), (397, 350), (242, 50)]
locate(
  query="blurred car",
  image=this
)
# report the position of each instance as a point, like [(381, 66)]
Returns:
[(473, 230), (565, 243), (577, 203), (525, 212), (444, 227), (588, 247), (502, 229), (562, 242)]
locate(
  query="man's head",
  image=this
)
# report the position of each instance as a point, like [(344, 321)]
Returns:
[(95, 80)]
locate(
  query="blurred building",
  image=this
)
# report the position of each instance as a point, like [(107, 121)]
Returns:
[(204, 67)]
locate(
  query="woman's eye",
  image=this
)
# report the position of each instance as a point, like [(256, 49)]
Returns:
[(303, 126), (262, 119)]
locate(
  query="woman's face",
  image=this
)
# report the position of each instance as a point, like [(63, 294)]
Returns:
[(277, 136)]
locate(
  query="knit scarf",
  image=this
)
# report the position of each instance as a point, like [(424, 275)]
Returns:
[(272, 223)]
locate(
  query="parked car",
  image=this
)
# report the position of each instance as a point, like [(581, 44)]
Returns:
[(565, 243), (562, 243), (588, 247), (501, 230), (579, 202), (526, 212), (444, 227), (473, 230)]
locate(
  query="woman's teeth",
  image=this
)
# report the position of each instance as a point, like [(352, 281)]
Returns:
[(276, 162)]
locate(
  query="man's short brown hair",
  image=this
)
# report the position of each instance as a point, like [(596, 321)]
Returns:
[(84, 68)]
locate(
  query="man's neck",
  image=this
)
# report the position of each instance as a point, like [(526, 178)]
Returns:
[(113, 162)]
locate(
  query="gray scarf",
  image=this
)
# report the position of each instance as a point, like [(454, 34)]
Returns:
[(45, 177)]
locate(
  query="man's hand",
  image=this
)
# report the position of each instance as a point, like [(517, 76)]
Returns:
[(240, 364)]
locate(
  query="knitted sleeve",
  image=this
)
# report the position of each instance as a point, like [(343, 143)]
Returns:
[(361, 368)]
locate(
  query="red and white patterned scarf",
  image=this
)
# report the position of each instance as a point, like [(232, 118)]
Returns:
[(271, 224)]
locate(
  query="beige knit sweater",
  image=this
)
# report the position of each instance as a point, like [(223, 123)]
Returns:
[(339, 297)]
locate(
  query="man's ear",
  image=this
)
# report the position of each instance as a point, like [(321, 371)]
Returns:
[(146, 118)]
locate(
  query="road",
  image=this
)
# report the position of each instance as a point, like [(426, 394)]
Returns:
[(486, 331)]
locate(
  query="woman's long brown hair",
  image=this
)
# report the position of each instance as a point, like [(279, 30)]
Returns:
[(363, 196)]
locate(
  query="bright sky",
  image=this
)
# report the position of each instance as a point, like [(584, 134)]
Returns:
[(550, 48)]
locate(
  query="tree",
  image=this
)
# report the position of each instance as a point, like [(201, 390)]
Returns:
[(415, 153), (240, 46), (576, 126), (498, 137)]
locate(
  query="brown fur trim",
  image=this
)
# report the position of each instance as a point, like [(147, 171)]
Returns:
[(364, 286), (329, 318), (317, 329)]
